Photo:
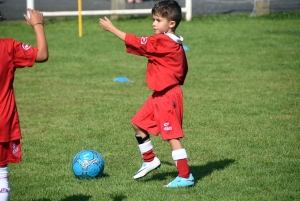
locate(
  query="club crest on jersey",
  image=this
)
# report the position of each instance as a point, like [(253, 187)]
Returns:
[(144, 40), (25, 46)]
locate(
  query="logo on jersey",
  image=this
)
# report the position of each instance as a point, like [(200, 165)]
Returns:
[(144, 40), (25, 46), (167, 127)]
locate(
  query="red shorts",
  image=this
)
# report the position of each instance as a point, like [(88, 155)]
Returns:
[(10, 152), (162, 113)]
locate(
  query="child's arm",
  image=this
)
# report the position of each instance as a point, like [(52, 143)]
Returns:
[(36, 20), (107, 25)]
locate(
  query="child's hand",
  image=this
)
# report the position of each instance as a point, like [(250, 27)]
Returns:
[(105, 24), (108, 26), (35, 17)]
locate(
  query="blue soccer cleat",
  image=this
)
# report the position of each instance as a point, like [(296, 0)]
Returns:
[(180, 182)]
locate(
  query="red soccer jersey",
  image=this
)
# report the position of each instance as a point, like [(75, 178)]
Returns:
[(13, 54), (167, 64)]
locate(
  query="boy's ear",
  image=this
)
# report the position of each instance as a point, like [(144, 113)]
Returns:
[(172, 24)]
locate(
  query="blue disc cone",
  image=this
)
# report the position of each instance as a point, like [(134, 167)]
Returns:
[(186, 48), (121, 79)]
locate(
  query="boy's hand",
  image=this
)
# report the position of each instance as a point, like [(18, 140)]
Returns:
[(106, 24), (35, 17)]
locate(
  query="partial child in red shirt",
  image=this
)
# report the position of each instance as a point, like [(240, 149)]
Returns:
[(13, 55), (167, 67)]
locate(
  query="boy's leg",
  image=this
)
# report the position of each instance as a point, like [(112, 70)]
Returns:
[(151, 162), (170, 112), (144, 118), (179, 155), (4, 187), (4, 157), (10, 152)]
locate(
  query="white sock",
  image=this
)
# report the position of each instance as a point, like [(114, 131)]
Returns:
[(178, 154), (4, 187), (145, 147)]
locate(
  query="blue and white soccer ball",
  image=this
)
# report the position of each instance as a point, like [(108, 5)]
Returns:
[(87, 164)]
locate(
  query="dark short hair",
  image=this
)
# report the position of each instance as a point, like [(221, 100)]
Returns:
[(169, 9)]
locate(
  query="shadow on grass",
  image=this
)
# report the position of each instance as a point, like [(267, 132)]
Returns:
[(103, 175), (199, 172), (98, 177), (79, 197), (118, 197)]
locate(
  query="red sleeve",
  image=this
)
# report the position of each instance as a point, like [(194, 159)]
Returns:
[(23, 54), (142, 46)]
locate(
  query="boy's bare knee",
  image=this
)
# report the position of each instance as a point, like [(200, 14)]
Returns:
[(135, 127)]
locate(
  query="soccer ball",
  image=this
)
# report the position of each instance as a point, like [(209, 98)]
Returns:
[(87, 164)]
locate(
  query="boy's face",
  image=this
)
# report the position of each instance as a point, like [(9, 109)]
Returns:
[(162, 25)]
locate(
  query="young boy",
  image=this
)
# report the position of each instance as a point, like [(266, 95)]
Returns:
[(166, 71), (13, 55)]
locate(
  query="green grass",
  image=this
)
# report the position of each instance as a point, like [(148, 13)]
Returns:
[(242, 111)]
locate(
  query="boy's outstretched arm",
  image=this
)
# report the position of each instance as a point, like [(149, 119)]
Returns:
[(107, 25), (36, 20)]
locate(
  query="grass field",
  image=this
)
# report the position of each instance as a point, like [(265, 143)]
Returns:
[(242, 111)]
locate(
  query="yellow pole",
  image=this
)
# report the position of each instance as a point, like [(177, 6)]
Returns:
[(80, 18)]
